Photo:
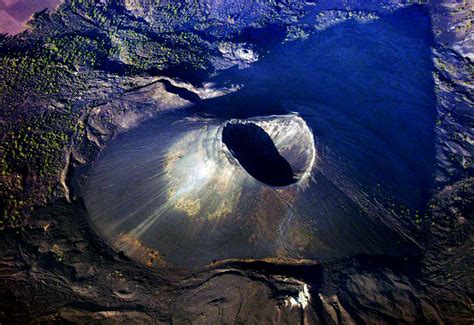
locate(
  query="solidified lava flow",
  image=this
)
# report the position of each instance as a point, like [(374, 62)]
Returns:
[(306, 160)]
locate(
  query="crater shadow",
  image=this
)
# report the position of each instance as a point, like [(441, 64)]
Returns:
[(257, 154), (366, 92)]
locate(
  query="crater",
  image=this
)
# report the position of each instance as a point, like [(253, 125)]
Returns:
[(276, 151), (257, 154)]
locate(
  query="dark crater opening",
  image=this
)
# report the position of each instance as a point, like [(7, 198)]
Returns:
[(257, 154)]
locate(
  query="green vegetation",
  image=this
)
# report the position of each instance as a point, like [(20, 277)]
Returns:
[(32, 158), (34, 132), (29, 73), (37, 142), (77, 51), (45, 73)]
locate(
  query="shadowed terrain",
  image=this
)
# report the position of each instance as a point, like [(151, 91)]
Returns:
[(256, 152)]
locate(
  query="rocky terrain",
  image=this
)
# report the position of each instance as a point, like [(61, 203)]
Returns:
[(85, 73)]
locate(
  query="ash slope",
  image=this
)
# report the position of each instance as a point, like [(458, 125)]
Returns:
[(186, 201), (82, 280), (364, 88)]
